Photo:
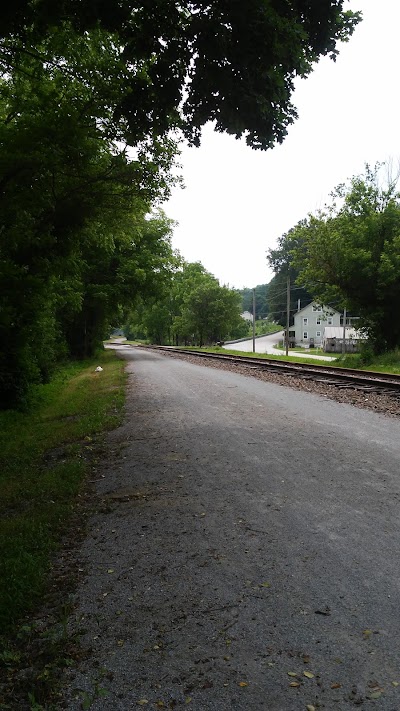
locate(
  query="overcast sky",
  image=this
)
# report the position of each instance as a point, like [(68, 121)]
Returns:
[(238, 201)]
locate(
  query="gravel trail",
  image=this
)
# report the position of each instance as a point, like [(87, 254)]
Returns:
[(378, 402), (245, 550)]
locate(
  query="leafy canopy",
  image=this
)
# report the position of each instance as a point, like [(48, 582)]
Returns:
[(80, 81), (168, 64), (194, 309), (349, 254), (281, 261)]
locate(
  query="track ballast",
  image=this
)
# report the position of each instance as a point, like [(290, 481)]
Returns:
[(365, 380)]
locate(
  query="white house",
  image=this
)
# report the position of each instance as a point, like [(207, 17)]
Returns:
[(247, 316), (310, 322)]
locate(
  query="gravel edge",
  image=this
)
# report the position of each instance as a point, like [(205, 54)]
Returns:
[(378, 402)]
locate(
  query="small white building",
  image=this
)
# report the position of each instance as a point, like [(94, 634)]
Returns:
[(333, 339), (309, 324), (247, 316)]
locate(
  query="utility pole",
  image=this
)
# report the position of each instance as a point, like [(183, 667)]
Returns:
[(287, 312), (344, 331), (254, 320)]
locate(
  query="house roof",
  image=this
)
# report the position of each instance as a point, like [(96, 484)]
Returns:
[(315, 303)]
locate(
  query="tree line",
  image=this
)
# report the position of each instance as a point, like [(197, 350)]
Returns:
[(348, 254), (194, 309), (94, 99)]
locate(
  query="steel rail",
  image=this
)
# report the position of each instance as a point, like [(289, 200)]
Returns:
[(331, 374)]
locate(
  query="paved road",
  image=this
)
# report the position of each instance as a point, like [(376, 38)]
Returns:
[(266, 344), (247, 533)]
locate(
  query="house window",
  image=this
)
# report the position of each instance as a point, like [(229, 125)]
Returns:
[(305, 335), (292, 334), (318, 321), (317, 308), (305, 321), (330, 320), (318, 334)]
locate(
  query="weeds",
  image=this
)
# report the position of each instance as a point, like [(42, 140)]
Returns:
[(98, 692), (45, 455), (366, 360)]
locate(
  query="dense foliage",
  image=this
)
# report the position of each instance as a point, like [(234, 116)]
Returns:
[(80, 83), (349, 254), (194, 309), (181, 64), (281, 260), (261, 299), (277, 297), (75, 244)]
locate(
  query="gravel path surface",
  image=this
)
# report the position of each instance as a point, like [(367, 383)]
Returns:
[(386, 404), (245, 551)]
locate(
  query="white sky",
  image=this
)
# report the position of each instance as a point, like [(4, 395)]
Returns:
[(238, 201)]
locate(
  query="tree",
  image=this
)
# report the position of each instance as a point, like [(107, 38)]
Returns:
[(138, 264), (282, 262), (182, 64), (213, 311), (193, 309), (349, 254), (70, 200), (204, 311), (72, 209), (261, 294), (82, 81)]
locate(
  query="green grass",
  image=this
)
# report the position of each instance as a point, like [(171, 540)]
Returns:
[(313, 351), (44, 456), (385, 363), (262, 328), (268, 356)]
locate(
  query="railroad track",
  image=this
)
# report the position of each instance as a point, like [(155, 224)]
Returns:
[(364, 380)]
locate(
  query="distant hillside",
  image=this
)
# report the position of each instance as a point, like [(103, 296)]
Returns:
[(262, 309), (271, 299)]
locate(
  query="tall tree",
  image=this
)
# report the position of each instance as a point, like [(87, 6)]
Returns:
[(350, 253), (182, 64), (195, 309), (81, 81), (281, 260), (66, 193), (138, 263)]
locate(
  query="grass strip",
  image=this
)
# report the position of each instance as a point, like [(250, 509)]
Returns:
[(384, 363), (44, 456), (266, 356)]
